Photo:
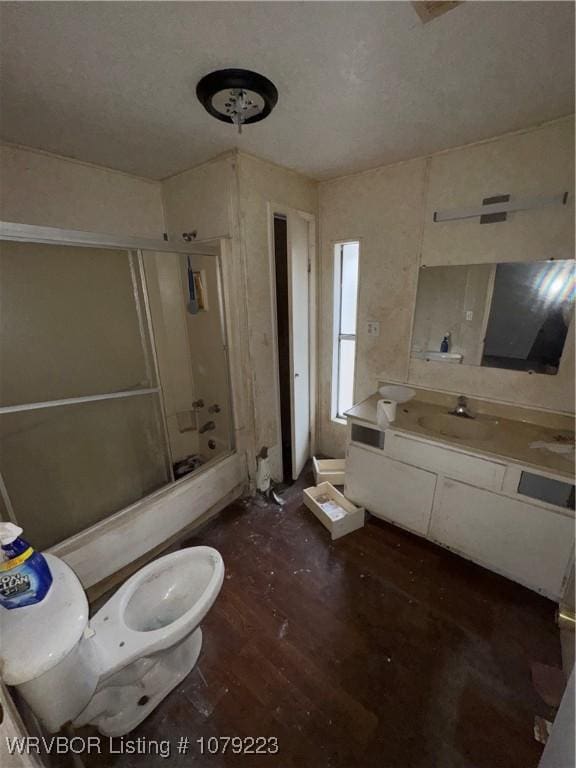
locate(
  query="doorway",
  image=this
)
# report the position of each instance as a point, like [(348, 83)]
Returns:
[(283, 333), (292, 243)]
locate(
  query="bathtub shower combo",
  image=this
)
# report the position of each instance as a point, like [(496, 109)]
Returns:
[(114, 379)]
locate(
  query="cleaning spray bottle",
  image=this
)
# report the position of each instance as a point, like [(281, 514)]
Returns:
[(25, 577)]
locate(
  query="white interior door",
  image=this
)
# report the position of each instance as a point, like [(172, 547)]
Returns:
[(299, 307)]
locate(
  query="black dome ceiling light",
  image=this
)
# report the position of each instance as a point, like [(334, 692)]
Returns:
[(237, 96)]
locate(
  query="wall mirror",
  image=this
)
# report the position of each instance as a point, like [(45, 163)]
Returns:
[(511, 315)]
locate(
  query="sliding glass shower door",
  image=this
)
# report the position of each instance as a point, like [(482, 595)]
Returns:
[(82, 431)]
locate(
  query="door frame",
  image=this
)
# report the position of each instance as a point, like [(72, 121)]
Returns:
[(284, 210)]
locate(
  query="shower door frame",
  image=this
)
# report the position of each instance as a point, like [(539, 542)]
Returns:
[(134, 248), (17, 232)]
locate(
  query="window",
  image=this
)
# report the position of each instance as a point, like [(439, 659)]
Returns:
[(346, 256)]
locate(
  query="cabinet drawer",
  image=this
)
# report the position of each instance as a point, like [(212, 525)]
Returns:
[(445, 461), (519, 540), (389, 489)]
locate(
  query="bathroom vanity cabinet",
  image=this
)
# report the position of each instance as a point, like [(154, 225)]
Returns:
[(480, 507)]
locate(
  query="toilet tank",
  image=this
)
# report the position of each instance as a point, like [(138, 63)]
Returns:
[(45, 653), (61, 693)]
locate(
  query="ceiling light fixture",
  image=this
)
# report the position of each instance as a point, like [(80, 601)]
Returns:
[(237, 96)]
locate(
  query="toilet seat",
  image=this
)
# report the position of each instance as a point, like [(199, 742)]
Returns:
[(175, 592)]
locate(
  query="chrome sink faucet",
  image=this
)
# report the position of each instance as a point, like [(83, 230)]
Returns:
[(462, 409)]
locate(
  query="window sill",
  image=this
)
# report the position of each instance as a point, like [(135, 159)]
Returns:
[(339, 420)]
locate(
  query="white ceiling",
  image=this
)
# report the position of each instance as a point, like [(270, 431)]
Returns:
[(360, 84)]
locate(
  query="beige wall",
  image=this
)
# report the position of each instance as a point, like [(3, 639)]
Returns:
[(45, 190), (229, 197), (209, 363), (390, 211), (261, 184), (535, 163), (205, 199), (191, 354), (201, 199), (382, 209), (168, 311)]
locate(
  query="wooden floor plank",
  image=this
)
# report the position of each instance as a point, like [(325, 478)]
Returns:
[(380, 649)]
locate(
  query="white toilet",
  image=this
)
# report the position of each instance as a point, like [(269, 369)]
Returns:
[(113, 670)]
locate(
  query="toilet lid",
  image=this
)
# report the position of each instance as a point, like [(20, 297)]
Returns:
[(33, 639)]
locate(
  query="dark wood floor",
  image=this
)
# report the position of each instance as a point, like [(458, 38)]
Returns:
[(377, 650)]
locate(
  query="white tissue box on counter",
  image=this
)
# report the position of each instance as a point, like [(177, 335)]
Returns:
[(329, 470), (334, 511)]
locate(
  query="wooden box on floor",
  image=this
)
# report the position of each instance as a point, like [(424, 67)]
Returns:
[(351, 521), (329, 470)]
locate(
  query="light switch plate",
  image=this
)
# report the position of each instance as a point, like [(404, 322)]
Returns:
[(469, 315), (373, 329)]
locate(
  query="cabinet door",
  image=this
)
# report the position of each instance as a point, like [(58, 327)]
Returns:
[(389, 489), (528, 544)]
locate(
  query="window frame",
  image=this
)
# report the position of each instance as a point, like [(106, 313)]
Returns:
[(337, 335)]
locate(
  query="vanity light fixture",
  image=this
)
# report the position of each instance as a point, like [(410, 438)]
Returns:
[(495, 208), (237, 96)]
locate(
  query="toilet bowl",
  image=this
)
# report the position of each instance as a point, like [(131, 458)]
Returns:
[(113, 670)]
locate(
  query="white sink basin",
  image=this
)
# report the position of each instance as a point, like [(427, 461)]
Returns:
[(458, 427)]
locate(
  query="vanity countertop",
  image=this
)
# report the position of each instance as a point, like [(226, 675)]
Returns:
[(505, 438)]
